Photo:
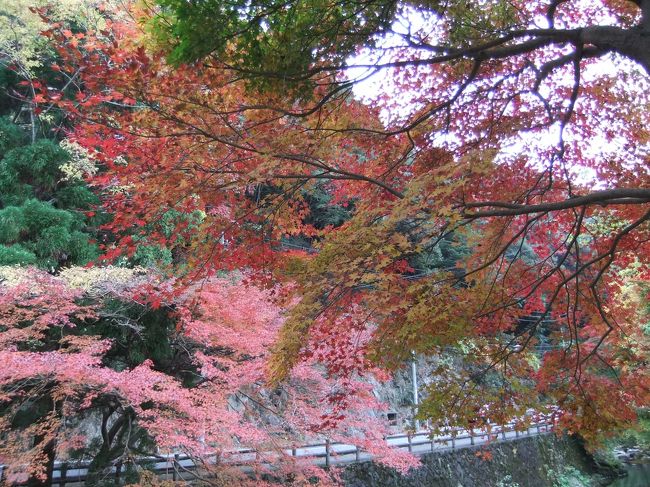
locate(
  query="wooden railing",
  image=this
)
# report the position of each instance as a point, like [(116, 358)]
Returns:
[(180, 466)]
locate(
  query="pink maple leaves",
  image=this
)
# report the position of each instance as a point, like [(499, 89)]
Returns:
[(228, 329)]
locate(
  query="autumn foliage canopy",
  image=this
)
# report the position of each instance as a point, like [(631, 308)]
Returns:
[(489, 164)]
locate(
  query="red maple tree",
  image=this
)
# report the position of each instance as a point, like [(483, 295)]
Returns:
[(493, 152), (56, 380)]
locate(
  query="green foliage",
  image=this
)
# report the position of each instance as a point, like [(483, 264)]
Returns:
[(31, 171), (38, 233), (322, 212), (160, 256), (42, 219), (8, 82), (638, 437), (11, 135), (20, 26), (507, 482), (569, 476), (152, 256), (474, 21), (16, 255), (278, 42), (442, 254), (277, 37)]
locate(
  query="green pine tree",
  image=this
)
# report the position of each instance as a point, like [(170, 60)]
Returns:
[(43, 215)]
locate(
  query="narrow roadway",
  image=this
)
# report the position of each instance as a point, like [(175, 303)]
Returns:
[(322, 454)]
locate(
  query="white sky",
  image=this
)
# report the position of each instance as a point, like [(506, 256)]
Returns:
[(371, 89)]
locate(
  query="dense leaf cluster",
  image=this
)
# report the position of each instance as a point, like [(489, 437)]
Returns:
[(44, 220), (282, 39)]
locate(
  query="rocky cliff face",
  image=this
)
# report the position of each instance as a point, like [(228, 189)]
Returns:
[(544, 461), (397, 393)]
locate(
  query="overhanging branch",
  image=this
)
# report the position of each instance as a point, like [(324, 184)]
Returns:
[(627, 196)]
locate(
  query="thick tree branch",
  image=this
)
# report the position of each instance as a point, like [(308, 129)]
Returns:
[(632, 43), (633, 196)]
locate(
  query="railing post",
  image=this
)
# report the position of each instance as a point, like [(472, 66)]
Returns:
[(327, 453), (64, 471), (293, 451), (453, 439), (516, 432), (356, 453), (118, 468), (503, 432), (537, 427), (84, 465), (471, 436), (432, 442), (408, 437), (175, 467)]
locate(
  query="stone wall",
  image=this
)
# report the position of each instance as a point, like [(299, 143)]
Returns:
[(542, 461)]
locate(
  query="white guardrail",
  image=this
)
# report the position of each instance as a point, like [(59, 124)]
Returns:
[(184, 467)]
